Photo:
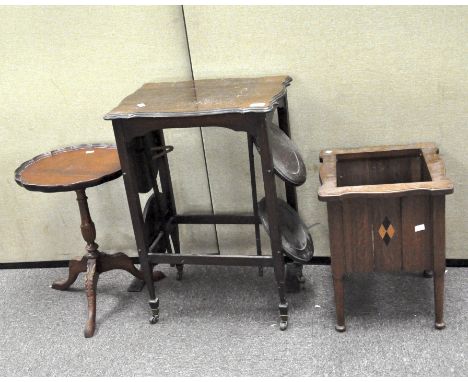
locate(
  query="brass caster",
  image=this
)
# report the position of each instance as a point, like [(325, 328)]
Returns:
[(440, 325), (283, 311), (154, 305), (340, 328), (154, 319)]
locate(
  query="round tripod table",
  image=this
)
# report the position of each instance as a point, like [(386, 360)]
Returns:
[(76, 168)]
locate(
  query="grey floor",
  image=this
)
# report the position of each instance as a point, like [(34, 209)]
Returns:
[(222, 321)]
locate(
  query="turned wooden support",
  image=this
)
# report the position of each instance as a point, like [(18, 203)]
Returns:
[(88, 229), (76, 168)]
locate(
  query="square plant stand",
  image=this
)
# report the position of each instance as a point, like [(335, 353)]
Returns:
[(386, 212)]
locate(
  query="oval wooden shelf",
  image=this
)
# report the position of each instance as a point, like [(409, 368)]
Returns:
[(295, 238)]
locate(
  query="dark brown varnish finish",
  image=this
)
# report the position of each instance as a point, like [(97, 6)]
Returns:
[(386, 212), (74, 169), (241, 104)]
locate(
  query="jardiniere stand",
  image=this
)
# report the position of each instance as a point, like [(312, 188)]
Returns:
[(386, 212)]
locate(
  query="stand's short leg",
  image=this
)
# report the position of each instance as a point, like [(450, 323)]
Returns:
[(180, 271), (283, 310), (339, 303), (154, 305), (438, 237), (75, 267), (91, 283), (260, 270), (439, 301)]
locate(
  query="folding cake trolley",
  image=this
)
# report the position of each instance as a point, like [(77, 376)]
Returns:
[(240, 104)]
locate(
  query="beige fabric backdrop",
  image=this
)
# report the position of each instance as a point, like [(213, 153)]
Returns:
[(362, 76), (62, 69)]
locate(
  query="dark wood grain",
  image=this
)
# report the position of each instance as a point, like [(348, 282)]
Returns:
[(386, 211), (70, 168), (338, 262), (240, 104), (357, 231), (203, 97), (416, 246)]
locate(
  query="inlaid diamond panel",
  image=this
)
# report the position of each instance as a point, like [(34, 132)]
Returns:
[(386, 230)]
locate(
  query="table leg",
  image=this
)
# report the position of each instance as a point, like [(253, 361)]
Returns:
[(335, 226), (167, 189), (339, 303), (438, 235), (271, 207), (136, 214), (253, 183)]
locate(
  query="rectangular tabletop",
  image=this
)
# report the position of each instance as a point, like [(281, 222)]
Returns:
[(202, 97)]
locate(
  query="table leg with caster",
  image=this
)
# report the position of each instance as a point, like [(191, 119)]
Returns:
[(154, 306), (284, 316)]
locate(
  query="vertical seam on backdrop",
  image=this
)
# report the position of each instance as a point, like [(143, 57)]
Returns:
[(200, 129)]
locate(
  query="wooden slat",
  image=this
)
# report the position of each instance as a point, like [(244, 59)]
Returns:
[(335, 226), (417, 246), (352, 173), (441, 187), (357, 231)]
